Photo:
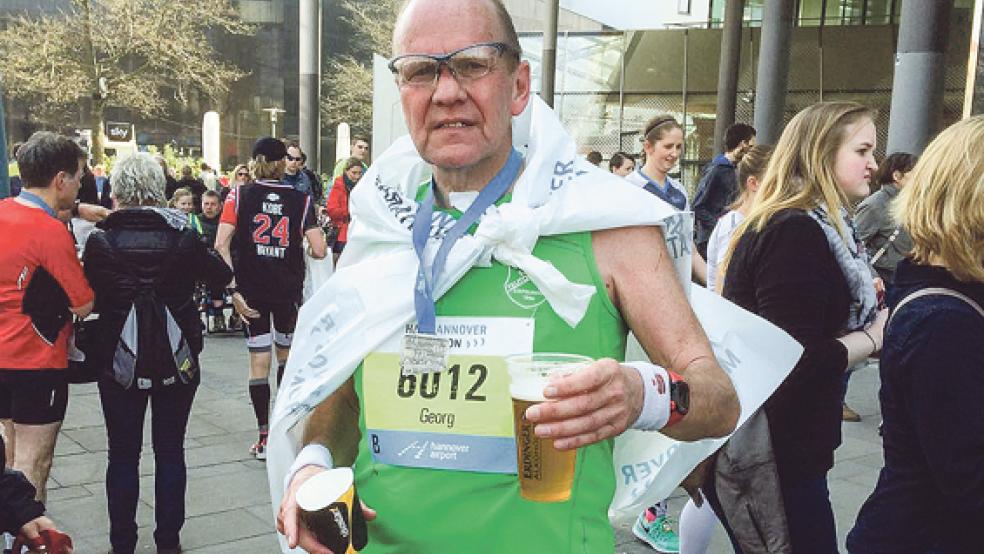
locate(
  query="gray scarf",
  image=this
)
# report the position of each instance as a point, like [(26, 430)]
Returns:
[(853, 261), (172, 216)]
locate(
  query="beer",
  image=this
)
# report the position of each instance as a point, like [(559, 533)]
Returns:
[(545, 473)]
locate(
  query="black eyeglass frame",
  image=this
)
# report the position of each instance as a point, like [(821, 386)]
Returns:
[(443, 60)]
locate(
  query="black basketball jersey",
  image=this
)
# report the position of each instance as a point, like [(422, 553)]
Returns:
[(271, 218)]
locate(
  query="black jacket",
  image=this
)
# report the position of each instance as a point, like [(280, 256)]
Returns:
[(89, 191), (170, 185), (715, 191), (154, 251), (17, 504), (787, 275), (933, 431)]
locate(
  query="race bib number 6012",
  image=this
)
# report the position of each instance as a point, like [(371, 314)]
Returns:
[(459, 418)]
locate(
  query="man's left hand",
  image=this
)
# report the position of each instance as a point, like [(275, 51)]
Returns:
[(591, 405), (93, 212)]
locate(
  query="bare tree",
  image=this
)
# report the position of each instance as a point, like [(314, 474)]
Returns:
[(134, 54), (347, 81)]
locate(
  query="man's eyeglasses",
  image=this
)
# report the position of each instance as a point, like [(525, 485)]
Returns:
[(466, 64), (292, 158)]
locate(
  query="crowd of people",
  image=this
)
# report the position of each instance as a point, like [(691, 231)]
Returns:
[(160, 258), (855, 259)]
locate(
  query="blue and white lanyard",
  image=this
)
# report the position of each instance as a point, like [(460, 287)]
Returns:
[(424, 288)]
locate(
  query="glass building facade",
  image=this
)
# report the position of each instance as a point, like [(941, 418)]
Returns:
[(609, 84)]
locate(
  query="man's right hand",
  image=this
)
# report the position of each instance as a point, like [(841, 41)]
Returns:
[(288, 519), (32, 532)]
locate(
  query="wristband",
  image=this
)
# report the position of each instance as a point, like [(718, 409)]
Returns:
[(75, 208), (311, 455), (655, 412)]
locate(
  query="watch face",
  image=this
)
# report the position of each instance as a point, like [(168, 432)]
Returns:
[(680, 395)]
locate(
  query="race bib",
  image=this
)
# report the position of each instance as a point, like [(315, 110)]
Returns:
[(459, 418)]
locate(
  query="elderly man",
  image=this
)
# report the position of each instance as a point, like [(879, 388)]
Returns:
[(461, 81)]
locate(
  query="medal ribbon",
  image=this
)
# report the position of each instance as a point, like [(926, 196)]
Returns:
[(424, 288)]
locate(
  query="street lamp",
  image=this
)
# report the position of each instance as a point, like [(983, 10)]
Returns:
[(273, 119)]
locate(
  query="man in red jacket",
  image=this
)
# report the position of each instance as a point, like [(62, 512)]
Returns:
[(41, 286)]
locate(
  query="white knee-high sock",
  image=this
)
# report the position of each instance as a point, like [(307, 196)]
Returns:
[(696, 528)]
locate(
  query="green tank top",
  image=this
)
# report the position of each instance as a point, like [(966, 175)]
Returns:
[(442, 511)]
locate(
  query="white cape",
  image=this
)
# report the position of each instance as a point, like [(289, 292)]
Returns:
[(370, 296)]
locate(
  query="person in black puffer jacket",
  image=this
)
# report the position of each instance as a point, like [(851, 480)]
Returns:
[(143, 247)]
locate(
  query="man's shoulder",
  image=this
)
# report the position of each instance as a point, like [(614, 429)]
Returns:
[(20, 214)]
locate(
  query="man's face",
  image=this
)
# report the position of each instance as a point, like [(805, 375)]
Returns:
[(67, 186), (293, 160), (210, 206), (460, 124), (744, 147), (627, 167), (360, 149)]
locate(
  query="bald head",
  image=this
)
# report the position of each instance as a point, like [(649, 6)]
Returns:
[(422, 9)]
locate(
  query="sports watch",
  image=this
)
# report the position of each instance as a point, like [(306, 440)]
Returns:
[(679, 398)]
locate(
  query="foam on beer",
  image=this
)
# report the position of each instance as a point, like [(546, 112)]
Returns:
[(529, 389), (528, 377)]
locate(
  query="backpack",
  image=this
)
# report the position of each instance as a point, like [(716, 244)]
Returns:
[(152, 351)]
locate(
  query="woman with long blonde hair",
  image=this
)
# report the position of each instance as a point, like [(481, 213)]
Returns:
[(795, 262), (932, 366)]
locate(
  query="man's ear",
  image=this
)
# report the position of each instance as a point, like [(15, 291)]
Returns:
[(58, 181), (521, 88)]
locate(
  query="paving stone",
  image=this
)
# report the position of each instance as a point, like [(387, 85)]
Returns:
[(256, 545), (58, 494), (222, 528)]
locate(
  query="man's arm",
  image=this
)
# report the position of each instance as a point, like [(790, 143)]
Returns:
[(92, 213), (335, 424), (61, 261), (606, 399), (317, 243), (223, 244), (645, 288)]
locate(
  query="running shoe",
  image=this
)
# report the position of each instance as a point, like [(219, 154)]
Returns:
[(657, 532), (259, 448)]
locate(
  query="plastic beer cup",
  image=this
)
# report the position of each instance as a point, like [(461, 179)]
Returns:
[(545, 473), (330, 508)]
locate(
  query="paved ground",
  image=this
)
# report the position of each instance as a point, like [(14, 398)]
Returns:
[(228, 509)]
